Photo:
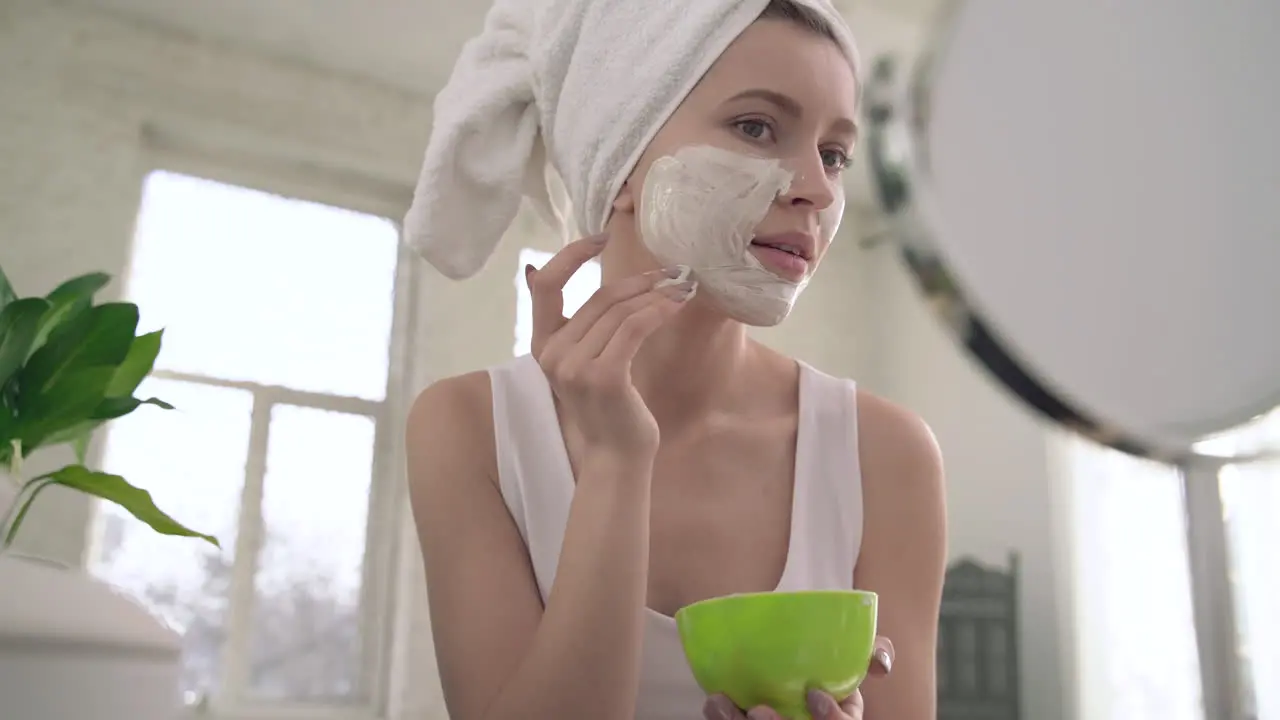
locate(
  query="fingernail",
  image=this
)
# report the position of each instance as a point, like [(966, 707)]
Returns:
[(718, 707), (820, 704), (760, 714), (528, 276), (663, 273), (600, 239), (679, 291), (886, 661), (672, 275)]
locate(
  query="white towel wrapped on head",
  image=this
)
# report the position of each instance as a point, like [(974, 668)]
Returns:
[(577, 86)]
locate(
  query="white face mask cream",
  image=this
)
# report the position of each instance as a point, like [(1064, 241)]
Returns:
[(700, 208)]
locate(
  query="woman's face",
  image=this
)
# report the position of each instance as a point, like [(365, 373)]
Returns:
[(782, 92)]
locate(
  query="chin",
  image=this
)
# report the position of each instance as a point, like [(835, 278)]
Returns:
[(755, 311)]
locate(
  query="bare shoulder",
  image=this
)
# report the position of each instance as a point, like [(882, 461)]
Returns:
[(482, 593), (468, 395), (903, 552), (897, 448), (450, 427)]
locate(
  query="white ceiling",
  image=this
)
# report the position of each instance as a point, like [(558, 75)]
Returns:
[(405, 43), (411, 44)]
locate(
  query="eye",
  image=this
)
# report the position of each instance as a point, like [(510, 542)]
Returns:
[(755, 129), (835, 159)]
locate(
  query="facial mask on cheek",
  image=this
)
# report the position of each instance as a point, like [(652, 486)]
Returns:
[(700, 208)]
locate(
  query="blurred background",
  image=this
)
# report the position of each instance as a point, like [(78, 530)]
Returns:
[(241, 167)]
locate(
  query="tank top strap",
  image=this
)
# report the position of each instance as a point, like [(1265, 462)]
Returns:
[(534, 474), (827, 515), (536, 479)]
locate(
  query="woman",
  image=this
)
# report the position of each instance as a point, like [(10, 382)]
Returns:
[(649, 454)]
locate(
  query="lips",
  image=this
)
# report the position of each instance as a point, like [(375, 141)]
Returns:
[(801, 245), (784, 248), (792, 268)]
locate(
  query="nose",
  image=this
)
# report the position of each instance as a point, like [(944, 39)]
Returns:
[(810, 185)]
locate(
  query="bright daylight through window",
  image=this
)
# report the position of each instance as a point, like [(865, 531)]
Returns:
[(1138, 655), (576, 292), (278, 324)]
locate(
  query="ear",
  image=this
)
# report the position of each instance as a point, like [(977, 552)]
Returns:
[(626, 200)]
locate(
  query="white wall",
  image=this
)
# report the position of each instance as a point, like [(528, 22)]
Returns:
[(1001, 494), (90, 104)]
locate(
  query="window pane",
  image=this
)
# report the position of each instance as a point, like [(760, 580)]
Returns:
[(192, 460), (306, 624), (1138, 657), (1251, 506), (252, 286), (577, 291)]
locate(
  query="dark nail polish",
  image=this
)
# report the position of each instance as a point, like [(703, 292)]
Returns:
[(718, 708), (820, 704)]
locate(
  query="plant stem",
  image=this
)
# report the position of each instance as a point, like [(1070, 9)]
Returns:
[(15, 463), (14, 474)]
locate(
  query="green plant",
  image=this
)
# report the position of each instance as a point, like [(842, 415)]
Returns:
[(67, 366)]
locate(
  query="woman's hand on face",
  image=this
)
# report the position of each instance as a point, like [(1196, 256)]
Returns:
[(821, 705), (587, 358)]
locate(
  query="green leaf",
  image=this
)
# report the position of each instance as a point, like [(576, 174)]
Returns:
[(135, 501), (97, 337), (79, 288), (8, 423), (71, 433), (69, 402), (78, 436), (7, 295), (136, 366), (67, 301), (18, 324), (80, 445), (114, 407)]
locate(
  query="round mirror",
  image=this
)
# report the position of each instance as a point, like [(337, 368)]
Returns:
[(1089, 194)]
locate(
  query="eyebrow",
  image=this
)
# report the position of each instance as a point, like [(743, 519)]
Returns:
[(790, 106)]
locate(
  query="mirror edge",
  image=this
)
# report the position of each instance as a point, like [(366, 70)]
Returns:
[(898, 154)]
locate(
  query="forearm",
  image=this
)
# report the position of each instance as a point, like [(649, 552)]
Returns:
[(584, 660)]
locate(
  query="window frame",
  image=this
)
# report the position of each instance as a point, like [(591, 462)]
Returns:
[(379, 591), (1226, 687)]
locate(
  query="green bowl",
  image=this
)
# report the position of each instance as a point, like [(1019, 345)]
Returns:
[(772, 648)]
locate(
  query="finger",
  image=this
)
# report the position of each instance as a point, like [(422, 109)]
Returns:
[(882, 657), (719, 707), (546, 286), (597, 337), (601, 333), (638, 326), (824, 707), (608, 297), (761, 712), (853, 705)]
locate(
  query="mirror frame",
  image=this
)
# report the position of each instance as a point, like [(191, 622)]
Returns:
[(899, 115)]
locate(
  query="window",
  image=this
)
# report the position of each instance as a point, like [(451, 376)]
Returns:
[(1251, 505), (1138, 646), (576, 292), (278, 319)]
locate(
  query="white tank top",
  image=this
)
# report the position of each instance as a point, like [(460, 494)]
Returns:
[(826, 517)]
